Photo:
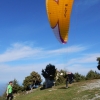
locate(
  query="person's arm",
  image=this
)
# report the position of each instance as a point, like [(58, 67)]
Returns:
[(7, 90)]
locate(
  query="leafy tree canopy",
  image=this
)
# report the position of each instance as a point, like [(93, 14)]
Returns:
[(49, 72), (33, 79), (98, 59)]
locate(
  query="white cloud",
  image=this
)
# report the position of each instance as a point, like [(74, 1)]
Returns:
[(19, 51), (90, 58), (81, 64), (71, 49), (84, 59), (20, 72), (9, 73), (82, 69)]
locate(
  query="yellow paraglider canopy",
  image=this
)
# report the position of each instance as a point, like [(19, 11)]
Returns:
[(59, 12)]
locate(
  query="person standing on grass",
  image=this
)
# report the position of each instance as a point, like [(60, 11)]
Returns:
[(9, 91), (71, 77), (67, 81)]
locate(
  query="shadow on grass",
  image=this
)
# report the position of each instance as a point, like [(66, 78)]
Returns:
[(63, 88)]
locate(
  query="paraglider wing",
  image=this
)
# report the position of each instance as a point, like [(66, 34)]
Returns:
[(58, 12)]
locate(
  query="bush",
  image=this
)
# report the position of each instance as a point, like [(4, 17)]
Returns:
[(92, 75), (60, 77), (79, 77), (60, 80), (32, 80), (16, 87)]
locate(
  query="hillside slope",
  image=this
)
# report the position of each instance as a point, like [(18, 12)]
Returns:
[(87, 90)]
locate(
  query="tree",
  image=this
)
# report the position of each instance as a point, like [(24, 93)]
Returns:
[(79, 77), (91, 75), (16, 87), (33, 79), (98, 59), (60, 77), (49, 72)]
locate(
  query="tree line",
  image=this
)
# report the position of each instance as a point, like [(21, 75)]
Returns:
[(52, 77)]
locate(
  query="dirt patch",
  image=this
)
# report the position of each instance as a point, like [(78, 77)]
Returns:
[(95, 84), (91, 86)]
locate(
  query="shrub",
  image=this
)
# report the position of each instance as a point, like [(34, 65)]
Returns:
[(79, 77), (92, 75)]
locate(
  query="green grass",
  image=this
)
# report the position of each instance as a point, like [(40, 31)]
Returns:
[(74, 92), (58, 93)]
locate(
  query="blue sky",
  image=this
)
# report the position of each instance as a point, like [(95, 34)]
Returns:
[(28, 44)]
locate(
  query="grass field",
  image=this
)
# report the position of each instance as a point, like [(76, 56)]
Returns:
[(87, 90)]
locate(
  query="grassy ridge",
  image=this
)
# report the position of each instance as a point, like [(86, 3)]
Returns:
[(74, 92), (58, 93)]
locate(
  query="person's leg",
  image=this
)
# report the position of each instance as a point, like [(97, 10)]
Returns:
[(66, 84), (7, 97), (10, 96)]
